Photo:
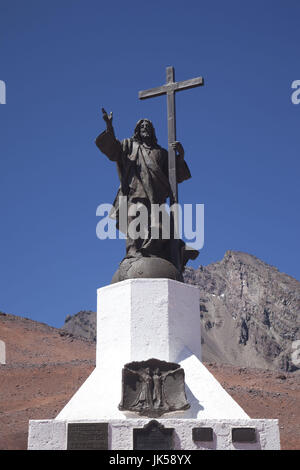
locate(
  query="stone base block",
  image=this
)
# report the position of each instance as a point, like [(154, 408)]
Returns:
[(183, 434)]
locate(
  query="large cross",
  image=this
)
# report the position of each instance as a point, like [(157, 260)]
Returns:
[(169, 89)]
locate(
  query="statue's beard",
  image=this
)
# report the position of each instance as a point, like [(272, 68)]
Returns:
[(146, 137)]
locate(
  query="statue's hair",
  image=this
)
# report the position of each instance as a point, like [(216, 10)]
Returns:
[(136, 135)]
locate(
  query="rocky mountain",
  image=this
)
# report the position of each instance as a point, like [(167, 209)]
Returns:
[(249, 312), (82, 324)]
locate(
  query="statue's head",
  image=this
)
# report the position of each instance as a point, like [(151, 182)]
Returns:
[(144, 130)]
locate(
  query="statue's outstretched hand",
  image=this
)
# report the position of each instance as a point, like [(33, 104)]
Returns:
[(107, 118)]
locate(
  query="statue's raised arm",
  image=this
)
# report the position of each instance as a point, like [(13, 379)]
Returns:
[(106, 141), (108, 119)]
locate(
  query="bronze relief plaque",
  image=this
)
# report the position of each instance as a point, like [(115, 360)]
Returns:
[(152, 388)]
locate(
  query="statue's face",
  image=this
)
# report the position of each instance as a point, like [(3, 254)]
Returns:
[(145, 129)]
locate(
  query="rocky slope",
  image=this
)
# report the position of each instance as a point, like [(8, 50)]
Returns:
[(249, 313), (46, 366), (82, 324)]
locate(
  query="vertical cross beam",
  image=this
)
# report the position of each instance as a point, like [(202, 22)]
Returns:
[(172, 136), (169, 89)]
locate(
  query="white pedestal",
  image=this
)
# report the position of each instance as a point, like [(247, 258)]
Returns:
[(137, 320)]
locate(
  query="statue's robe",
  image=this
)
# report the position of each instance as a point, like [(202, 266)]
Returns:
[(143, 174)]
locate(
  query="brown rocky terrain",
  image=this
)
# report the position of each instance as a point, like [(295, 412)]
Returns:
[(249, 312), (45, 366)]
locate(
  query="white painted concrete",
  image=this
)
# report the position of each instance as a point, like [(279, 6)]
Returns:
[(47, 434), (144, 318)]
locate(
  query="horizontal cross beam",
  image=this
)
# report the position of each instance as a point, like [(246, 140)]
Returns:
[(171, 87)]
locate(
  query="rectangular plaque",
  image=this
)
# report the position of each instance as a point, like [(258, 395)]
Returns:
[(243, 435), (203, 434), (153, 437), (87, 436)]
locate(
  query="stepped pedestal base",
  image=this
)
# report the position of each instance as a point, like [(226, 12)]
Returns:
[(137, 320)]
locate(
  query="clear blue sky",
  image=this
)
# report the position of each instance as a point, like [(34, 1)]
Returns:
[(62, 60)]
